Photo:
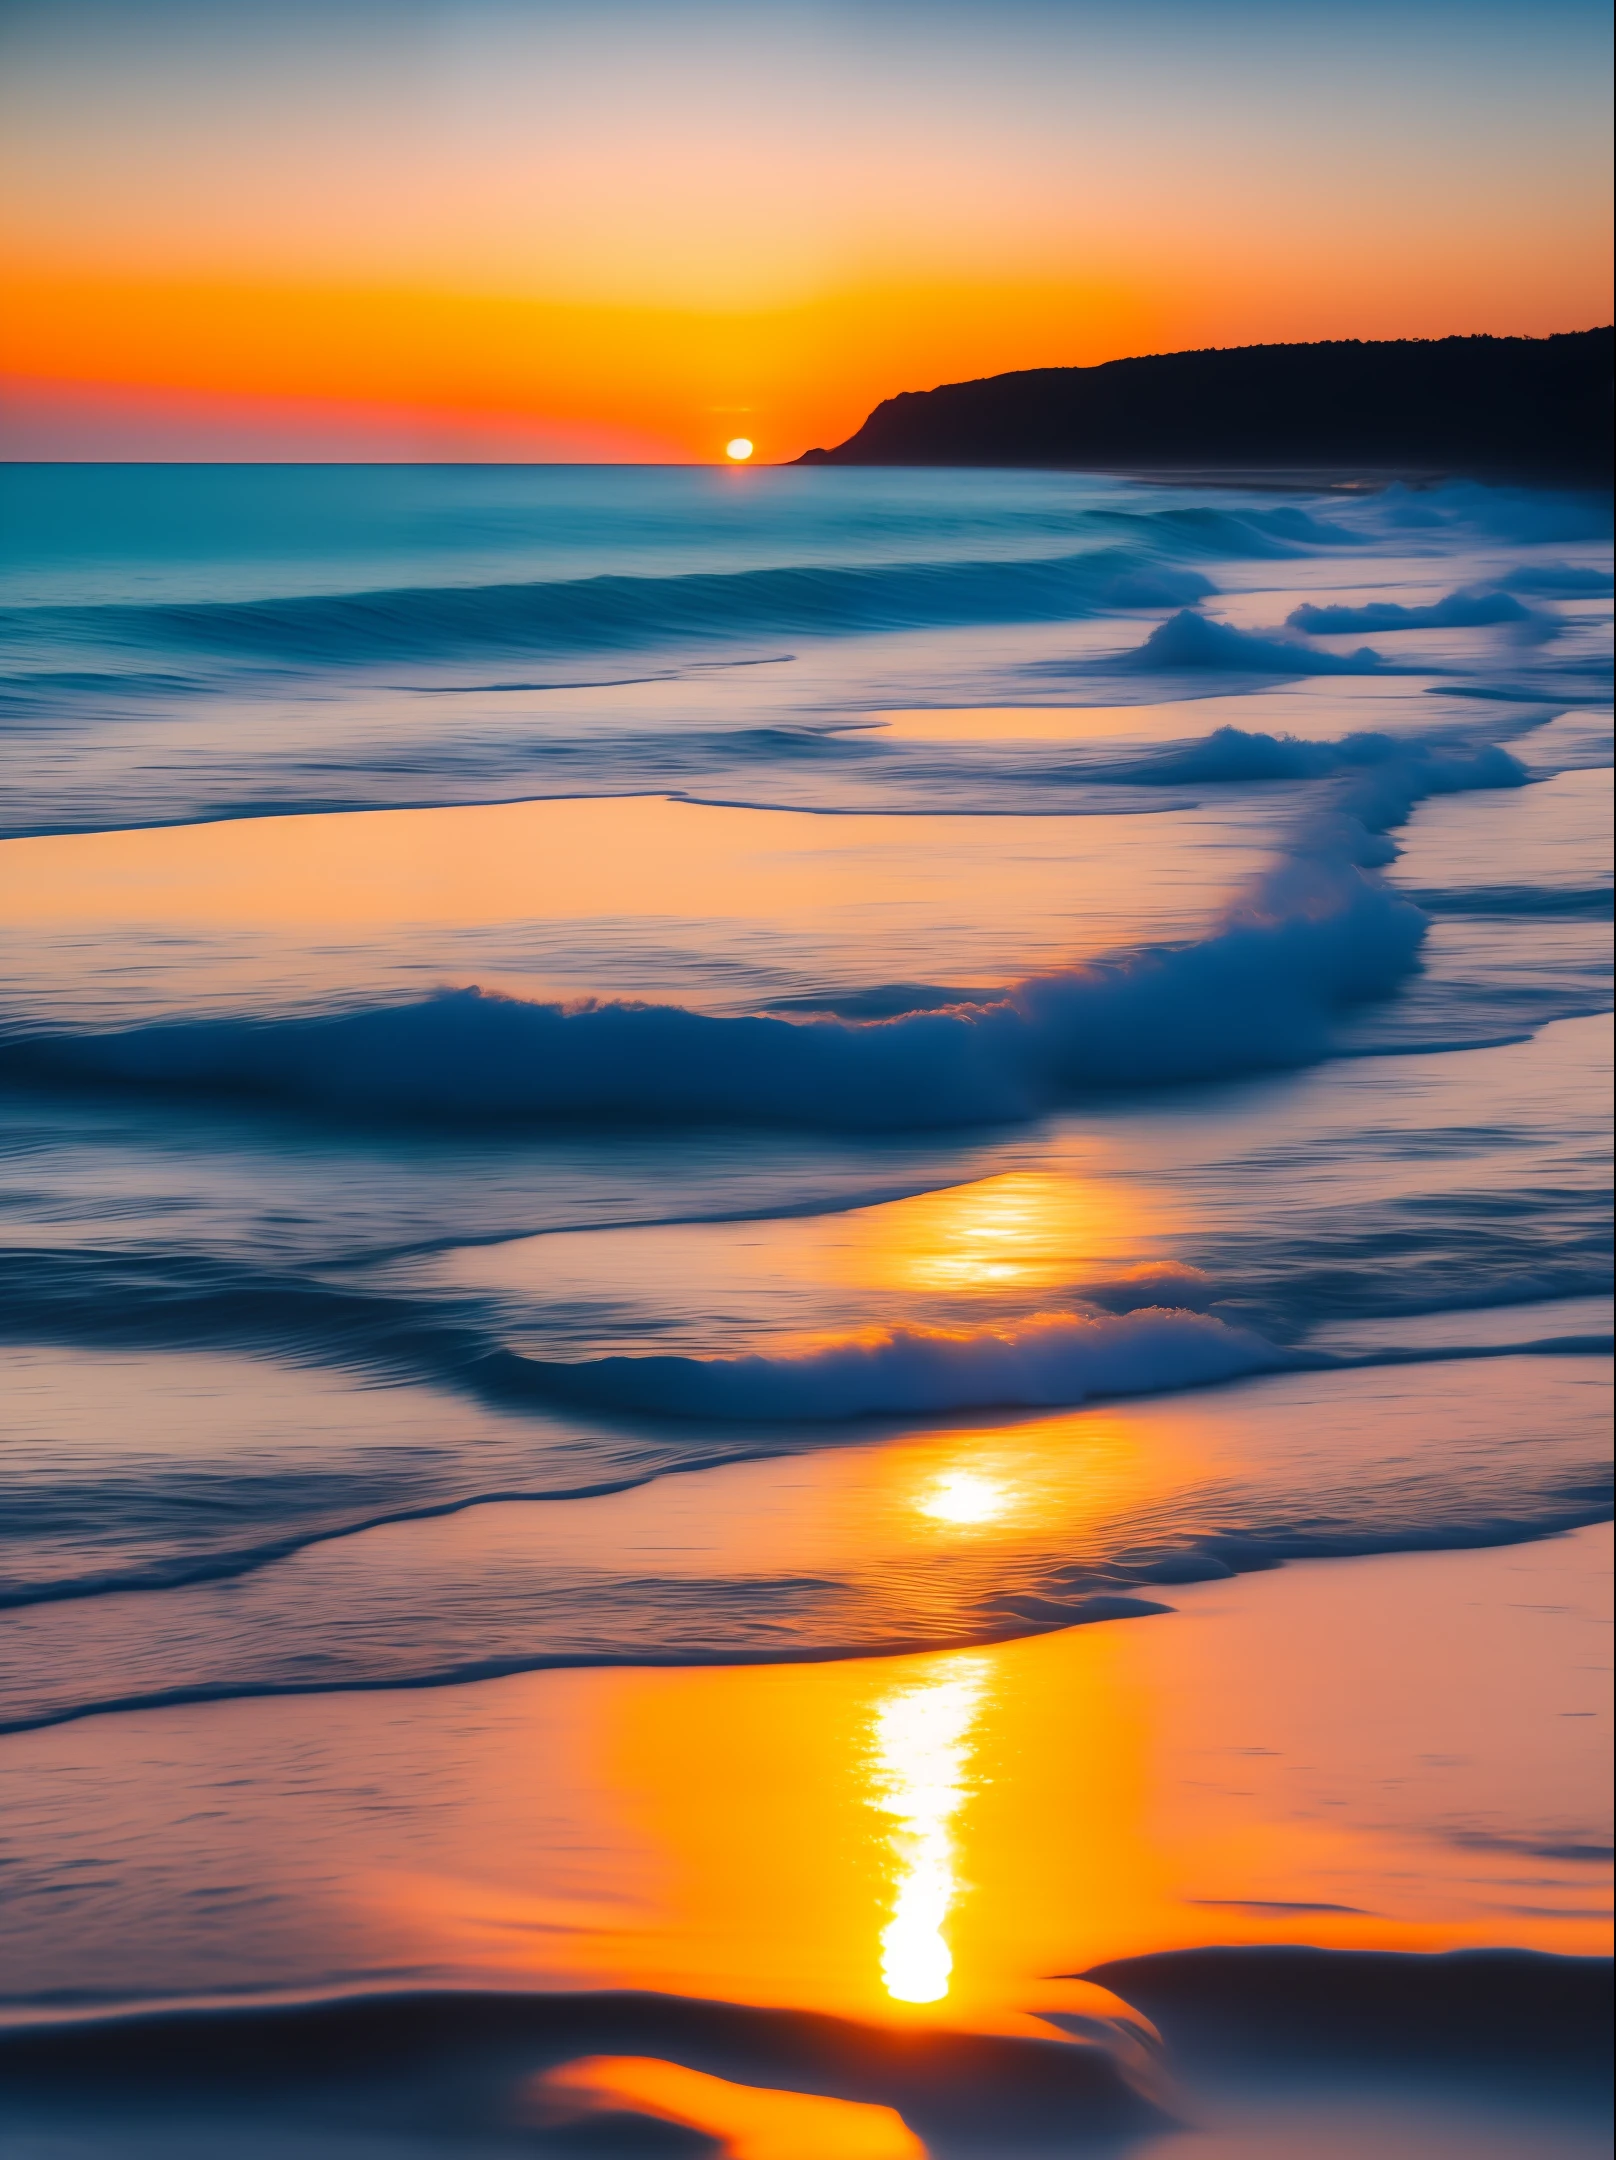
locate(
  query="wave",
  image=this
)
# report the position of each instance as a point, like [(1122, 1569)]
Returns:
[(1317, 935), (491, 1423), (1284, 530), (1159, 1326), (1211, 1555), (1051, 1360), (1188, 641), (1519, 516), (1560, 581), (1260, 993), (1138, 560), (1231, 755), (301, 1628), (617, 613), (1584, 903), (1472, 607), (29, 690), (1056, 1358), (395, 1605)]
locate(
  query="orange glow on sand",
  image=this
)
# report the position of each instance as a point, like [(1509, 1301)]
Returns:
[(754, 2123)]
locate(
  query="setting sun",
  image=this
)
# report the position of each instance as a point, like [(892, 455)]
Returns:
[(739, 449)]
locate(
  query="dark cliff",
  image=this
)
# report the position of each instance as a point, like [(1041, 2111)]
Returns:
[(1537, 407)]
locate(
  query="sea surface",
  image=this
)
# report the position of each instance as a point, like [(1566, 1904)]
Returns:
[(612, 1074)]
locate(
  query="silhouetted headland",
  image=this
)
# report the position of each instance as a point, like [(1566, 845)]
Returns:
[(1505, 407)]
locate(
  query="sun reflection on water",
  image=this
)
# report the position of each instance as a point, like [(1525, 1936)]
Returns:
[(922, 1736), (1023, 1229), (966, 1496)]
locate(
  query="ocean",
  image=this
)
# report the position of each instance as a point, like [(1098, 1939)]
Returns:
[(733, 1199)]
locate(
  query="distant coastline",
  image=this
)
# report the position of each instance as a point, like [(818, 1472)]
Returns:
[(1488, 407)]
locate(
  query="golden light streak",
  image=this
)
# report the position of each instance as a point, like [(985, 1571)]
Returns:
[(922, 1755), (1026, 1229)]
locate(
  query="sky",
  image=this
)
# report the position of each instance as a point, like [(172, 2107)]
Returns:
[(634, 229)]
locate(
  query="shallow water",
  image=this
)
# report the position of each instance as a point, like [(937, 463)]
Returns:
[(676, 1069)]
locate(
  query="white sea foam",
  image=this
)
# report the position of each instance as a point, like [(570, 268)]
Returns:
[(1472, 607), (1188, 641)]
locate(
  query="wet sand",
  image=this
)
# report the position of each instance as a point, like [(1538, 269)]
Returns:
[(1406, 1753)]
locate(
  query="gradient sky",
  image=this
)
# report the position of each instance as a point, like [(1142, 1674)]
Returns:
[(515, 228)]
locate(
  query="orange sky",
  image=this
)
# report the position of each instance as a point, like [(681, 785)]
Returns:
[(539, 230)]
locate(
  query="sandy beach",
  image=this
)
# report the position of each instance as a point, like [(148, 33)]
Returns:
[(1357, 1755)]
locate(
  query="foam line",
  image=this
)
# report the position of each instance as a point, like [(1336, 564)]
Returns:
[(1055, 1360), (1052, 1359), (1236, 756), (1195, 643), (1214, 1556), (1472, 607)]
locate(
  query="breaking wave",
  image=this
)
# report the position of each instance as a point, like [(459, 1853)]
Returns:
[(1053, 1359), (1318, 935), (1261, 992), (1472, 607), (1236, 755), (1187, 641)]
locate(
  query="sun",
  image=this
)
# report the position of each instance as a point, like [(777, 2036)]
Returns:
[(740, 449)]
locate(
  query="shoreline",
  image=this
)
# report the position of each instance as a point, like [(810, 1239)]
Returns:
[(1267, 1765), (625, 1969)]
